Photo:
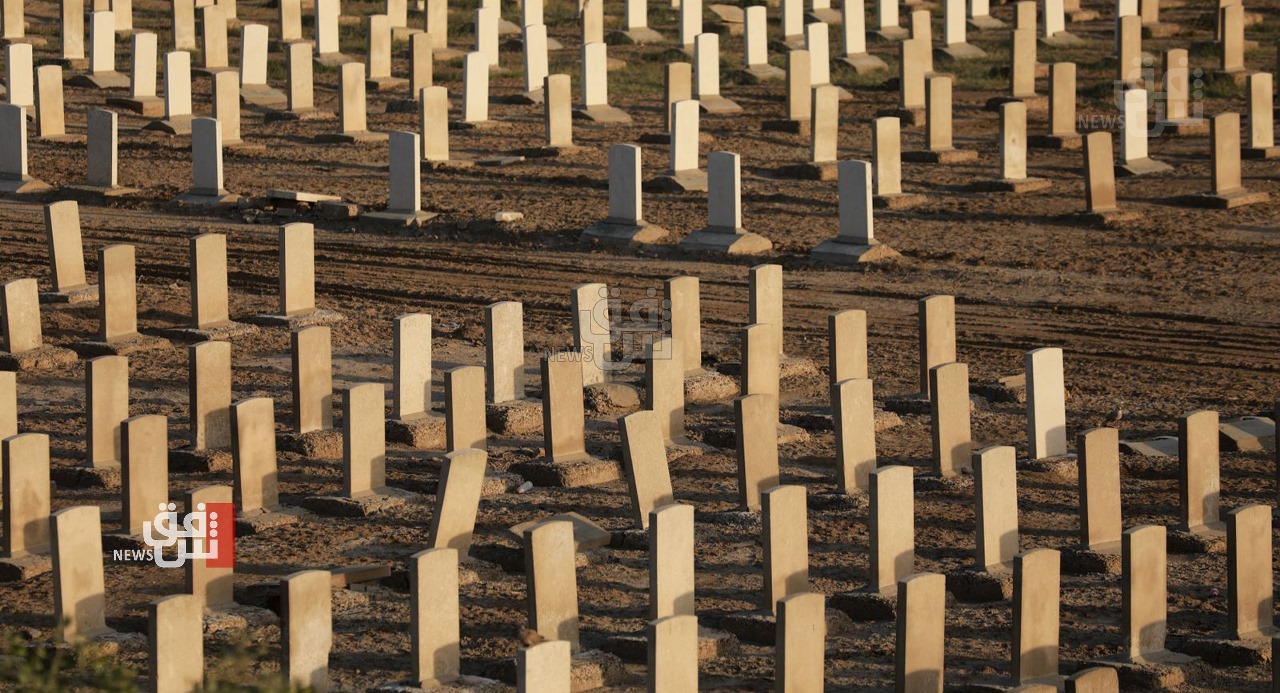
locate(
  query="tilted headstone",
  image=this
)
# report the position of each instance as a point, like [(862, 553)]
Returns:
[(550, 569), (20, 316), (107, 406), (79, 593), (66, 250), (645, 459), (458, 500), (306, 626), (1100, 177), (19, 75)]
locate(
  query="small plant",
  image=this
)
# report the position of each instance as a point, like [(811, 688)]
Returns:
[(40, 667)]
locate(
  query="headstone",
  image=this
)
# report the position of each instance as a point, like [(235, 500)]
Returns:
[(379, 69), (212, 585), (544, 667), (464, 408), (1262, 137), (144, 470), (591, 13), (799, 86), (892, 528), (300, 97), (535, 61), (434, 117), (504, 347), (792, 21), (824, 122), (552, 581), (177, 94), (486, 26), (1129, 50), (786, 543), (421, 63), (353, 120), (1250, 598), (176, 643), (117, 294), (996, 492), (682, 296), (625, 223), (761, 363), (208, 253), (26, 496), (724, 232), (1134, 159), (817, 40), (79, 593), (404, 201), (635, 22), (306, 626), (673, 653), (182, 17), (50, 110), (664, 388), (853, 411), (1062, 110), (949, 405), (290, 20), (253, 450), (1099, 487), (226, 106), (645, 459), (1036, 594), (912, 55), (690, 22), (364, 444), (72, 22), (919, 663), (1231, 43), (20, 316), (66, 252), (939, 144), (123, 10), (215, 55), (1022, 84), (8, 405), (1145, 592), (475, 88), (886, 157), (706, 76), (411, 395), (436, 18), (13, 153), (210, 395), (854, 21), (326, 37), (1013, 152), (1176, 90), (595, 86), (206, 163), (1198, 490), (142, 78), (847, 345), (312, 379), (801, 643), (102, 54), (107, 404), (591, 327), (936, 316), (887, 28), (19, 75), (253, 67), (671, 562), (434, 616), (457, 499), (1100, 179), (1046, 403), (755, 45), (757, 448), (562, 408)]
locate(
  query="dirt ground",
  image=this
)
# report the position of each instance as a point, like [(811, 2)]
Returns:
[(1174, 311)]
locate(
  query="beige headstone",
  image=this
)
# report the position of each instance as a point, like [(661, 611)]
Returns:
[(1199, 490), (1144, 586), (1177, 83), (562, 407), (801, 643), (464, 408), (177, 84), (327, 13), (475, 88), (914, 54), (1046, 403), (1013, 141), (684, 136), (996, 493), (671, 564), (757, 439), (938, 112), (824, 124), (1062, 99), (949, 404), (107, 406), (253, 455), (1101, 679), (1022, 73), (25, 474), (458, 500), (412, 346), (673, 654), (213, 586), (799, 85), (937, 328), (645, 459), (8, 404), (1099, 170), (312, 354), (1036, 594), (144, 470), (683, 296), (72, 15), (297, 268), (847, 345), (1250, 581), (214, 48), (79, 594), (504, 347), (558, 104), (364, 440), (1261, 111), (306, 628), (1099, 486), (677, 79), (20, 316), (1129, 49), (919, 665), (176, 644), (544, 668), (1224, 132), (435, 123), (761, 363), (50, 109), (66, 250), (786, 543), (209, 279), (1231, 45), (892, 527), (434, 616), (117, 293), (352, 102), (664, 388), (421, 63), (550, 568), (300, 95), (591, 325), (853, 412)]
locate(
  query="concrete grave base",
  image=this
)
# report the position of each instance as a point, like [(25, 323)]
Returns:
[(634, 647), (219, 332), (1017, 186), (449, 165), (407, 219), (794, 127), (262, 96), (1161, 30), (24, 567), (424, 431), (888, 34), (296, 321), (1034, 102), (862, 63), (1045, 683), (589, 670), (357, 137), (821, 421), (132, 344), (1228, 652), (331, 59), (1225, 200), (684, 181), (260, 521), (572, 473), (826, 15), (177, 125), (210, 198), (898, 201), (941, 156), (728, 14), (100, 80), (715, 104), (301, 114), (908, 117), (980, 585), (1156, 671), (726, 437), (726, 242), (986, 23), (1106, 218), (412, 105), (90, 191), (840, 252), (826, 170), (463, 684), (587, 535), (1060, 39), (190, 460), (550, 152), (1077, 16), (957, 51), (1161, 446), (1068, 141), (761, 628), (211, 72), (520, 417), (1249, 434), (611, 398), (604, 115), (1141, 167), (75, 295), (237, 617), (105, 475), (1183, 127), (1104, 559), (867, 606), (1260, 152), (372, 503), (622, 233), (495, 483), (709, 386), (1211, 538), (41, 358), (761, 73), (325, 444), (147, 106), (380, 84), (639, 35), (25, 185)]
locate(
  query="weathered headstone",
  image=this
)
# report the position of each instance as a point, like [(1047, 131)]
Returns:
[(535, 62), (312, 379), (1199, 489), (297, 258), (552, 581), (1036, 594), (1099, 487), (1062, 110), (306, 626), (939, 145), (892, 527), (118, 305), (107, 406), (379, 76), (919, 663), (79, 593), (635, 23), (72, 21), (673, 654), (66, 255), (1231, 42), (215, 55), (182, 16), (253, 446), (690, 22), (22, 344), (1129, 50), (847, 346), (645, 460), (757, 449), (1250, 603), (1013, 153), (458, 500), (206, 160), (176, 644), (886, 162), (102, 160), (589, 306), (434, 616), (404, 201)]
